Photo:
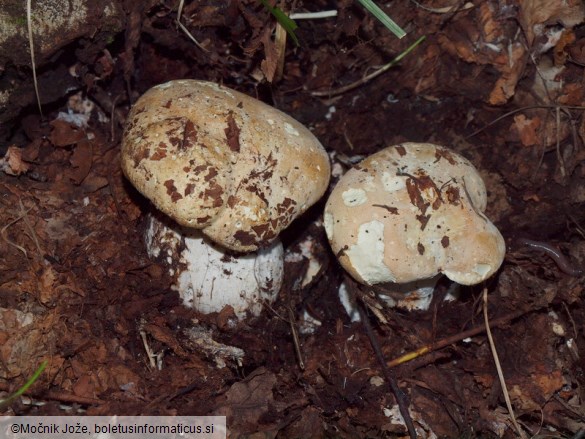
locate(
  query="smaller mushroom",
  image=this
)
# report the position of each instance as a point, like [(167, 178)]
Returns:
[(410, 212)]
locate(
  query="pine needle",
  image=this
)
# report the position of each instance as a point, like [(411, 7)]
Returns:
[(32, 53)]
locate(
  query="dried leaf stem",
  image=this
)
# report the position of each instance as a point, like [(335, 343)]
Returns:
[(454, 338), (499, 367)]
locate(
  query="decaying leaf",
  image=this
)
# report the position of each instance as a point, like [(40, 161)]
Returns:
[(64, 133), (81, 161), (511, 70), (270, 62), (535, 14), (248, 400), (12, 163), (526, 129)]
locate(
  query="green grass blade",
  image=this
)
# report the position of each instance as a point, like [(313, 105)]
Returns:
[(24, 388), (408, 50), (383, 17), (285, 21)]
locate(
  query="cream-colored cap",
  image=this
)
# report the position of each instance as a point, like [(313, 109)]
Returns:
[(412, 211), (220, 161)]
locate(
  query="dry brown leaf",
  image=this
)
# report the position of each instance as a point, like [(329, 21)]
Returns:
[(477, 47), (577, 51), (81, 161), (541, 12), (47, 291), (27, 340), (572, 94), (12, 163), (270, 62), (165, 336), (119, 376), (526, 129), (31, 152), (560, 52), (505, 86), (533, 391), (64, 133), (491, 29), (248, 400), (462, 47), (92, 183), (85, 386)]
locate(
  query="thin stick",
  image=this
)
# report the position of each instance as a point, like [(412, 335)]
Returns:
[(499, 367), (575, 333), (558, 136), (446, 9), (401, 398), (312, 15), (34, 237), (184, 29), (280, 44), (113, 119), (293, 329), (32, 54), (453, 339), (517, 110), (8, 241), (57, 396), (371, 76)]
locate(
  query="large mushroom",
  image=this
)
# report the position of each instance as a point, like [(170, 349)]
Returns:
[(228, 165), (409, 213)]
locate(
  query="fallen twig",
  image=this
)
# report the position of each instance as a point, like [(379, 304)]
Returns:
[(455, 338), (401, 398), (32, 232), (184, 29), (446, 9), (32, 53), (297, 344), (518, 110), (499, 368), (6, 226)]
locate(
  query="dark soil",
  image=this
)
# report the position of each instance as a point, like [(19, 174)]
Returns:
[(502, 83)]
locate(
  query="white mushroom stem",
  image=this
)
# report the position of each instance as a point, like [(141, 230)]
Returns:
[(208, 277), (411, 296)]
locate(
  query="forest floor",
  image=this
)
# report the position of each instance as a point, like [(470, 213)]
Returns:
[(502, 83)]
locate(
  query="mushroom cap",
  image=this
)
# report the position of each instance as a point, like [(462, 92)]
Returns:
[(209, 277), (412, 211), (218, 160)]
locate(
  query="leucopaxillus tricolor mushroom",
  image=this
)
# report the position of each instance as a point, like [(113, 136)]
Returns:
[(410, 213), (229, 173)]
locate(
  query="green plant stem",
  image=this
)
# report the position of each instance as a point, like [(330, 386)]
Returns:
[(375, 10), (25, 387)]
